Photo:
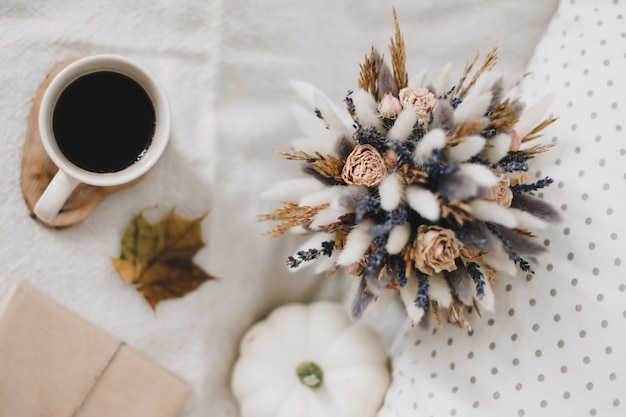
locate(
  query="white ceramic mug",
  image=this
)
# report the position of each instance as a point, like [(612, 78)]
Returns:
[(70, 173)]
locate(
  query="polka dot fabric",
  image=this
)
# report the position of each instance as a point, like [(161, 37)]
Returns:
[(555, 345)]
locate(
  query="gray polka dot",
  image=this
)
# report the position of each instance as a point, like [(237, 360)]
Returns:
[(586, 360), (616, 402), (535, 327), (538, 353), (608, 350), (564, 369), (541, 377), (566, 395), (543, 403), (496, 395), (560, 343), (518, 386), (589, 386)]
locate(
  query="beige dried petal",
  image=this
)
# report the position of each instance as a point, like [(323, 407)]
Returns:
[(420, 99), (364, 166), (438, 247), (471, 253), (501, 193)]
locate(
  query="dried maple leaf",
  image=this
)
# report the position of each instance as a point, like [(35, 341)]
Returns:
[(158, 258)]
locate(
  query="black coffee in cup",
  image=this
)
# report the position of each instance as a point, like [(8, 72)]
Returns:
[(103, 121)]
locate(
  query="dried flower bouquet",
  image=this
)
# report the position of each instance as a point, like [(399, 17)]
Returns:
[(417, 188)]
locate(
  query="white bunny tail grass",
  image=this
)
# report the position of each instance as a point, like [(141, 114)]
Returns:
[(390, 191), (403, 126), (423, 202), (465, 150), (398, 238), (432, 142), (356, 244)]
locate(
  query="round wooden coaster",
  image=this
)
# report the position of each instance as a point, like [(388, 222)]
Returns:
[(38, 170)]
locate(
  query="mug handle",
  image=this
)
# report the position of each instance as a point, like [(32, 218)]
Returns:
[(55, 196)]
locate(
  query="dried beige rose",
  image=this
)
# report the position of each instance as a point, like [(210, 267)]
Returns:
[(501, 192), (420, 99), (438, 248), (364, 166)]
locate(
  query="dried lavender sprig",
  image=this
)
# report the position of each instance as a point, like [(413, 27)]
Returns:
[(311, 254), (422, 300), (368, 207), (404, 150), (370, 136), (350, 102), (529, 188), (518, 260), (474, 270), (401, 267), (393, 218), (514, 162), (376, 258), (436, 169)]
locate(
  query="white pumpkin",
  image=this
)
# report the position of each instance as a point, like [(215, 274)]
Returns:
[(310, 361)]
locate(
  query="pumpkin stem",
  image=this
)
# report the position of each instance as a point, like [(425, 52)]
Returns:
[(310, 374)]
